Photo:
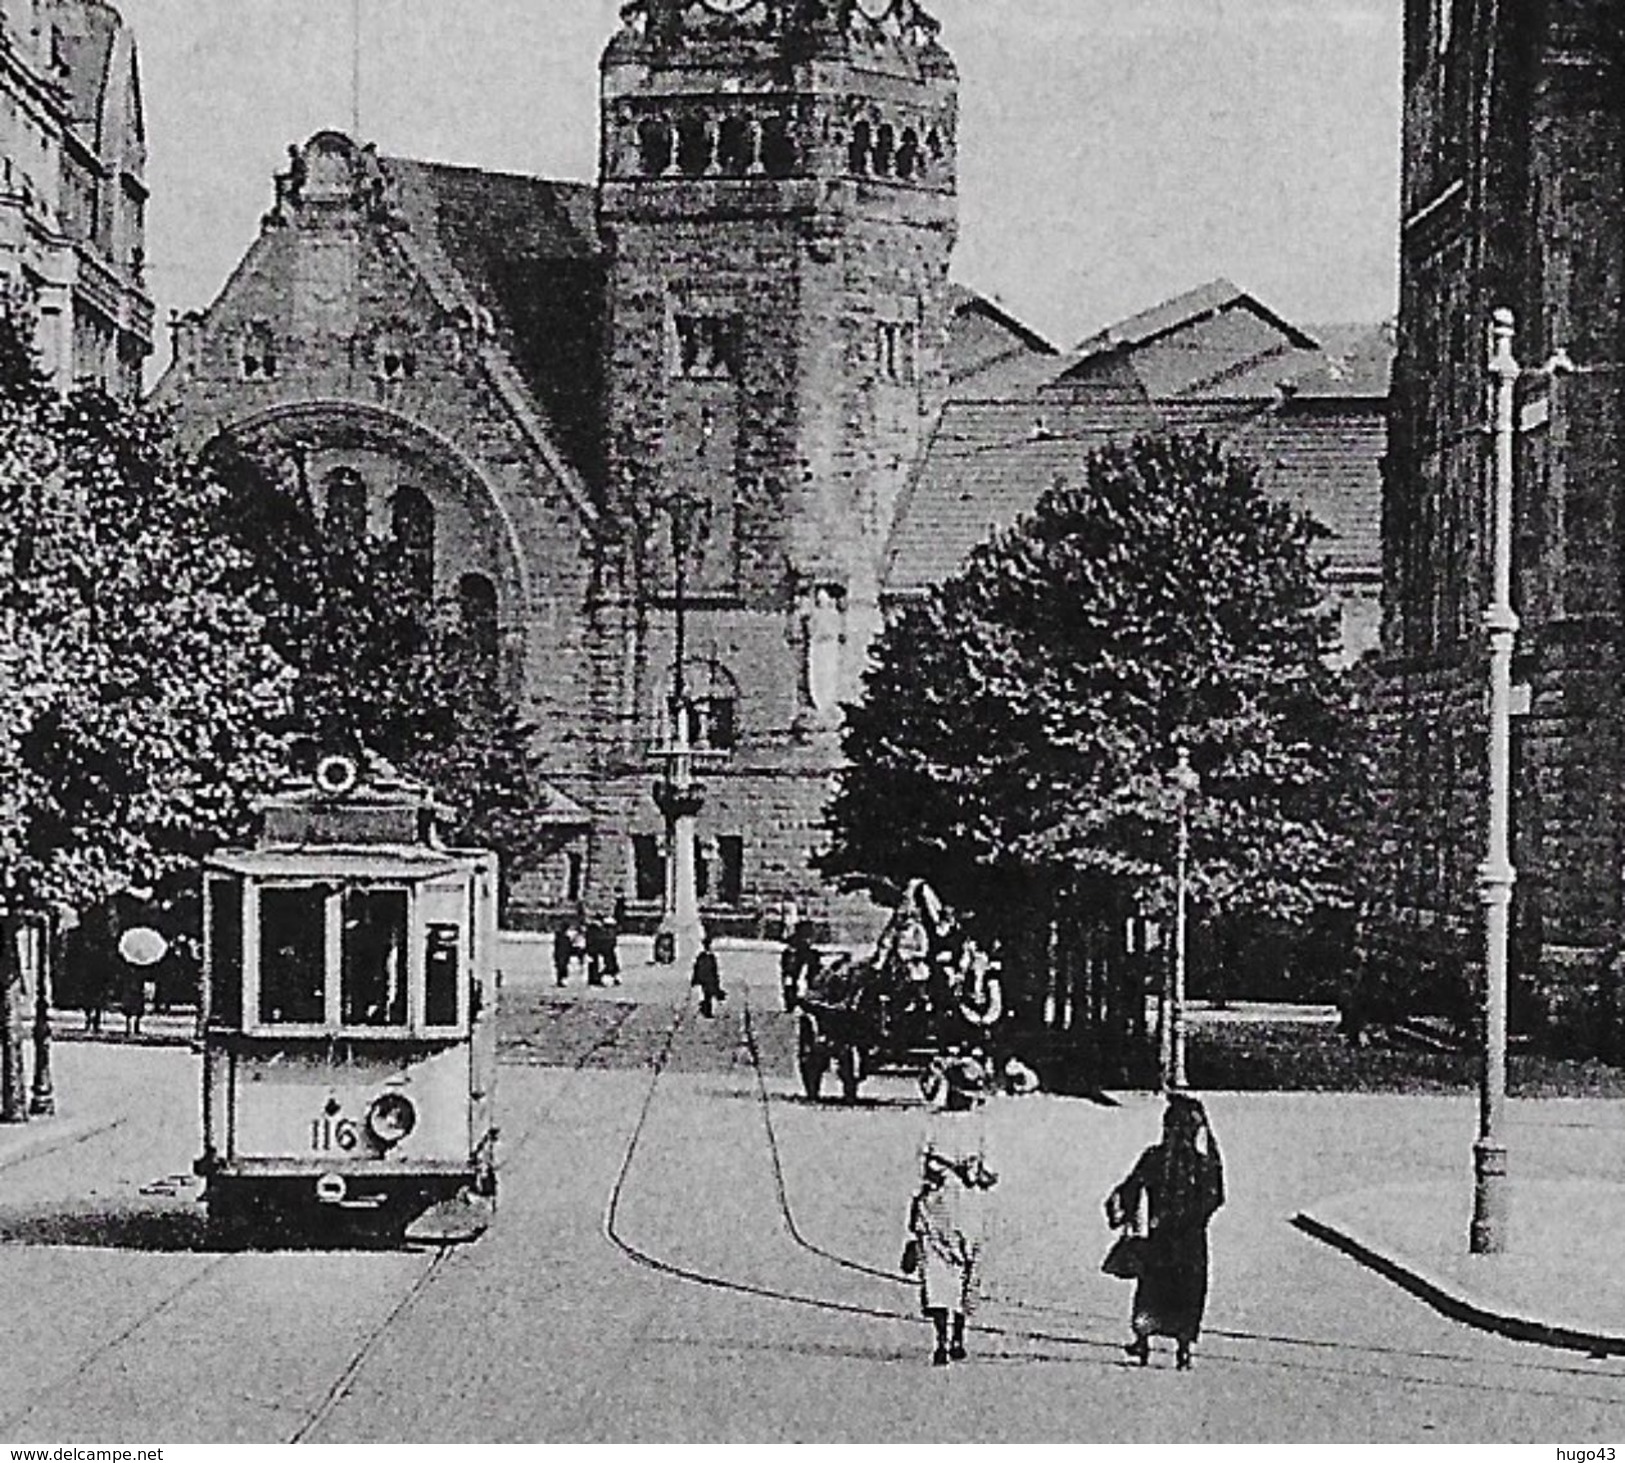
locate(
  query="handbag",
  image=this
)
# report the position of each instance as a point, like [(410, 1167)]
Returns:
[(1126, 1259), (910, 1263)]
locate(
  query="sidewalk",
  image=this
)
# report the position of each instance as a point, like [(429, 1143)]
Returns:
[(1558, 1283), (95, 1086)]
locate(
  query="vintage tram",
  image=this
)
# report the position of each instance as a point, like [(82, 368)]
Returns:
[(349, 1012)]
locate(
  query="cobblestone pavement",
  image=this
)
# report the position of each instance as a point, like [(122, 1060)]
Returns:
[(687, 1251)]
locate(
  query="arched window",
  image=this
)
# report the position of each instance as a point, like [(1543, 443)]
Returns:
[(778, 148), (857, 151), (345, 511), (712, 699), (908, 154), (393, 356), (654, 146), (477, 614), (693, 147), (736, 148), (259, 362), (885, 147), (411, 522)]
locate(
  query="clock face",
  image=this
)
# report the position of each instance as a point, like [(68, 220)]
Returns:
[(729, 7), (876, 10)]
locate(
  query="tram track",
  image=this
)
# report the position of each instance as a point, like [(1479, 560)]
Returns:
[(444, 1255), (1306, 1356), (215, 1265)]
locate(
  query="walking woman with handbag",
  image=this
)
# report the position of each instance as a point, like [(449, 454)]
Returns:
[(943, 1249), (1181, 1182)]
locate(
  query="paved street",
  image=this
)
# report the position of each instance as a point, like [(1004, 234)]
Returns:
[(688, 1252)]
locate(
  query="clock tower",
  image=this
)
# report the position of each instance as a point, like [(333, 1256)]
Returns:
[(778, 210)]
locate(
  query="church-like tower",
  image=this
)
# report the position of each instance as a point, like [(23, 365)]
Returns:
[(777, 210)]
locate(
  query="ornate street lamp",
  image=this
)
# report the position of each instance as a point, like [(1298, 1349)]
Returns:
[(1496, 874), (1186, 784), (678, 794), (42, 1095)]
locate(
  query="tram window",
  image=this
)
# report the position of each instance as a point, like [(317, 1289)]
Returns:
[(293, 956), (440, 976), (373, 958), (226, 952)]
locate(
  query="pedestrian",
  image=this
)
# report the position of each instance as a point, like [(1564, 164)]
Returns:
[(603, 959), (563, 951), (133, 999), (1181, 1182), (943, 1224), (94, 975), (577, 930), (707, 979), (799, 965)]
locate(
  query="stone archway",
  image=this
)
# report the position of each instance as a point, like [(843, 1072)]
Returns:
[(310, 432)]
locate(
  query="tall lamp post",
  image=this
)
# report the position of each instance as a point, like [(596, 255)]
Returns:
[(1496, 875), (42, 1093), (1186, 783), (678, 793)]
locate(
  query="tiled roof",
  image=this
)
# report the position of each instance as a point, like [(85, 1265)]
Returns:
[(1194, 305), (527, 249), (990, 462), (988, 346), (1326, 460)]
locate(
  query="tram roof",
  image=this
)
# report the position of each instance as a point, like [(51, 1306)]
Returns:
[(379, 861)]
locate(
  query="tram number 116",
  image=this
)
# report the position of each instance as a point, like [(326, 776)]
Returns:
[(328, 1133)]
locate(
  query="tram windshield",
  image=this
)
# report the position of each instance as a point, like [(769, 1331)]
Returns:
[(293, 955), (373, 956)]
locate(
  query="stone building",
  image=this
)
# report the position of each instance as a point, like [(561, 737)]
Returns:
[(744, 330), (73, 193), (1513, 195), (1308, 406)]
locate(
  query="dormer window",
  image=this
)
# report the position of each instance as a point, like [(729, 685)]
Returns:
[(259, 357)]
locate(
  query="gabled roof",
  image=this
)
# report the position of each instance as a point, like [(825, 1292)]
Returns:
[(988, 345), (990, 462), (527, 250), (1190, 308)]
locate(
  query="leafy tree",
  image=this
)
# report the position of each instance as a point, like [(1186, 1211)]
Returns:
[(379, 667), (138, 700), (1019, 724)]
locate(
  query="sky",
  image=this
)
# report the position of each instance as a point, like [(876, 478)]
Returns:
[(1113, 152)]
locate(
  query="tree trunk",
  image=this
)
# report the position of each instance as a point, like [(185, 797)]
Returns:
[(13, 1022)]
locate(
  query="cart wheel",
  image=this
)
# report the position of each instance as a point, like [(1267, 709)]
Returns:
[(851, 1071), (813, 1058)]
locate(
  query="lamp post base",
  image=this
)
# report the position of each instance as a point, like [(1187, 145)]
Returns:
[(1491, 1199)]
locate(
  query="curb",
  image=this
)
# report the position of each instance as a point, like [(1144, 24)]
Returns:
[(54, 1139), (1456, 1306)]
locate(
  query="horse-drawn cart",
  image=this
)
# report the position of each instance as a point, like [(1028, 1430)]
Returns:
[(926, 987)]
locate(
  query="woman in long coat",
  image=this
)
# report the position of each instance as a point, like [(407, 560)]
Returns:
[(1181, 1182), (945, 1224)]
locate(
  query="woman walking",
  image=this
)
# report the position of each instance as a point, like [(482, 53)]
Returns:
[(946, 1245), (1181, 1182)]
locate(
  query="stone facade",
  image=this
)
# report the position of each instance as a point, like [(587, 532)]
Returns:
[(716, 378), (741, 330), (72, 189), (1514, 195)]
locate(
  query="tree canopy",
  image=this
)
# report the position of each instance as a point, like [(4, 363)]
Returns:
[(380, 665), (139, 704), (1019, 724)]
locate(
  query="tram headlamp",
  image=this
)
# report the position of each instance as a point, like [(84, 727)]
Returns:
[(391, 1118)]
